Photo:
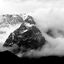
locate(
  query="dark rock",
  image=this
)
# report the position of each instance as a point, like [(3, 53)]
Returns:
[(31, 39), (30, 20)]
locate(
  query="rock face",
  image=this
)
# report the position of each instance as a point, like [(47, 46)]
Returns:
[(27, 37), (8, 19)]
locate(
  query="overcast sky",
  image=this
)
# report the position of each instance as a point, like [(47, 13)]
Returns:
[(19, 6)]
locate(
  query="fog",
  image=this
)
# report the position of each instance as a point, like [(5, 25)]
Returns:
[(24, 6)]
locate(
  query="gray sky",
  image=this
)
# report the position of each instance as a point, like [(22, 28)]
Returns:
[(20, 6)]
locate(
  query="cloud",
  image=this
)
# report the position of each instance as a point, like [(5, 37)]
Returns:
[(20, 6), (16, 7)]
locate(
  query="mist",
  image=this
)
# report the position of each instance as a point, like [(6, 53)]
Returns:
[(27, 6)]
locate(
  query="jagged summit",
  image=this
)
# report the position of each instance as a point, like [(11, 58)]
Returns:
[(13, 19)]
